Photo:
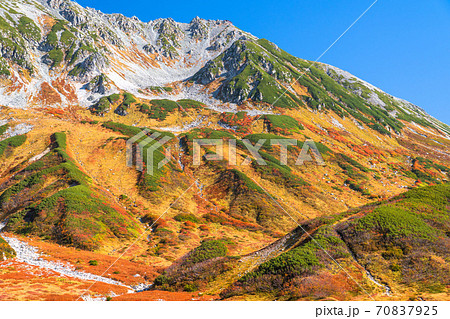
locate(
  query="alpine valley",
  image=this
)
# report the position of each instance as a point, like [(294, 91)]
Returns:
[(77, 223)]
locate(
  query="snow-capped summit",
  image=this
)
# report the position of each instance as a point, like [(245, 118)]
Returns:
[(56, 52)]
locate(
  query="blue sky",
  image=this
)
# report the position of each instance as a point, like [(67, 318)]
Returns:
[(400, 46)]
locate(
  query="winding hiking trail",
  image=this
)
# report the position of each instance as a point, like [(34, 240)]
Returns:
[(293, 239), (250, 261)]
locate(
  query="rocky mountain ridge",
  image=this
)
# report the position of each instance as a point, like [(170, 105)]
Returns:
[(55, 52), (60, 39)]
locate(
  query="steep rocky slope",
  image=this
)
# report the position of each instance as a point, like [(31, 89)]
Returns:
[(60, 48), (56, 52)]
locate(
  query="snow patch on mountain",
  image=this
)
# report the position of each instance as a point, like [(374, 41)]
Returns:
[(30, 255), (18, 129)]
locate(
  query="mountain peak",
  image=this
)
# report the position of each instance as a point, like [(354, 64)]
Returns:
[(81, 44), (197, 19)]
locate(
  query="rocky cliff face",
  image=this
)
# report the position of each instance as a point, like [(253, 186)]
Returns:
[(260, 73), (59, 38)]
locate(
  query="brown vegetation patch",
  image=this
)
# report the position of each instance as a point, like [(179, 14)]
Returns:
[(159, 295), (48, 95), (300, 89), (19, 281), (65, 89), (46, 22), (14, 84)]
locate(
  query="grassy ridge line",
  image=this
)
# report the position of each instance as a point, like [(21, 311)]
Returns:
[(266, 71), (12, 142), (147, 183), (74, 213), (160, 109), (413, 225), (178, 276)]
